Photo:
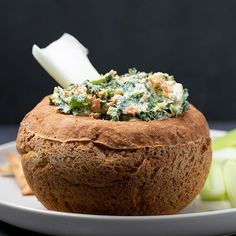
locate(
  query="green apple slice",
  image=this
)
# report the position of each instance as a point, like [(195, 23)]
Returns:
[(225, 154), (205, 206), (214, 188), (230, 180), (66, 61), (198, 205), (227, 140)]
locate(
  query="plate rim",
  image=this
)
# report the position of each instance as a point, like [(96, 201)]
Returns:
[(112, 217)]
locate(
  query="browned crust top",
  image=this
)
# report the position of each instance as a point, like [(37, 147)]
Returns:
[(45, 121)]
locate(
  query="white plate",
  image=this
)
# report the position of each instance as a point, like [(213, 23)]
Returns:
[(28, 213)]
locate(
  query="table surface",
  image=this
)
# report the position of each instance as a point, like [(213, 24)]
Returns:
[(9, 132)]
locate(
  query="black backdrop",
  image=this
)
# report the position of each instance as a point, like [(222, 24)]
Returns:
[(193, 40)]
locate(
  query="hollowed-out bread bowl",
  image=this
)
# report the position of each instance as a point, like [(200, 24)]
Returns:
[(86, 165)]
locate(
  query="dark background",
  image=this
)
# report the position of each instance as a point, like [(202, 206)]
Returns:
[(193, 40)]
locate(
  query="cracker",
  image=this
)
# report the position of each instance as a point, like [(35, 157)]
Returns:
[(16, 167), (6, 170)]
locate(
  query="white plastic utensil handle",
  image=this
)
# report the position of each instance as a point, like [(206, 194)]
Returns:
[(66, 61)]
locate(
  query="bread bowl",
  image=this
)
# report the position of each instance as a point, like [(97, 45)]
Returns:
[(86, 165), (112, 144)]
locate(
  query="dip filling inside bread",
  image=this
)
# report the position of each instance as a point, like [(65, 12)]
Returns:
[(134, 95)]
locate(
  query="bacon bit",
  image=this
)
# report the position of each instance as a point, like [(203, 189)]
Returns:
[(66, 94), (115, 97), (156, 81), (166, 90), (113, 100), (96, 105), (77, 90), (132, 110)]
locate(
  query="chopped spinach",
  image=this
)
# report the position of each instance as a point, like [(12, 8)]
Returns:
[(138, 95)]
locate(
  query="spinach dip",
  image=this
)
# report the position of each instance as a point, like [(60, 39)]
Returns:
[(134, 95)]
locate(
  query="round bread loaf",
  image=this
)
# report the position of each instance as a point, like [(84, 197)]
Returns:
[(86, 165)]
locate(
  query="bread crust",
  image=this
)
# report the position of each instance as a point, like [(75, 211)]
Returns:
[(45, 121), (85, 165)]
